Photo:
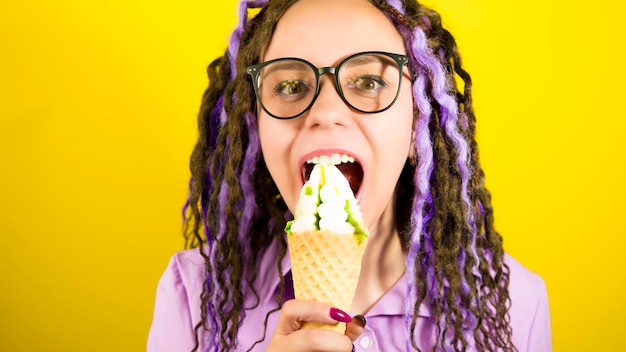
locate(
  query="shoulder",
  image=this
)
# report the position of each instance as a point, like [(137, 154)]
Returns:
[(523, 281), (190, 266), (529, 312), (184, 272), (177, 303)]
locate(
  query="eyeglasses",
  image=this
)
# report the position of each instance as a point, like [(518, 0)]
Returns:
[(368, 82)]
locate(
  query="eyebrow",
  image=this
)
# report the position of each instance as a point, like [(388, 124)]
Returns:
[(364, 60), (286, 65)]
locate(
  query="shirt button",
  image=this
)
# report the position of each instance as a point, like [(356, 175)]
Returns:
[(365, 342)]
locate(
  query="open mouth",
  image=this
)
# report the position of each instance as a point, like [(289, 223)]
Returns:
[(349, 167)]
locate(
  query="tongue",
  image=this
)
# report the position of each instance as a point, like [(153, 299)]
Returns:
[(353, 173)]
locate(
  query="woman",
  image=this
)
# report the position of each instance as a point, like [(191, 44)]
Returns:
[(434, 275)]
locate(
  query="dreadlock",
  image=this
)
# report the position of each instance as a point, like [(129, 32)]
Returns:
[(454, 255)]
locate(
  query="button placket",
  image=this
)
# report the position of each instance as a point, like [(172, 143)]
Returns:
[(366, 342)]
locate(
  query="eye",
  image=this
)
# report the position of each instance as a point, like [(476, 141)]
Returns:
[(290, 87), (369, 84)]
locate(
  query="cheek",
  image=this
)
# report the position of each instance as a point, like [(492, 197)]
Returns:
[(270, 144), (275, 146), (403, 124)]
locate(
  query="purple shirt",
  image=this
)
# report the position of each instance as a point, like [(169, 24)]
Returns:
[(177, 310)]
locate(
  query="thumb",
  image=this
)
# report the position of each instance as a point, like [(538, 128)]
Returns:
[(295, 312), (355, 328)]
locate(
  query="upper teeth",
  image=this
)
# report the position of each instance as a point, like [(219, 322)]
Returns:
[(334, 159)]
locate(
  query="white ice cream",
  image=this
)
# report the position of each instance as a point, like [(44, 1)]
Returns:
[(327, 203)]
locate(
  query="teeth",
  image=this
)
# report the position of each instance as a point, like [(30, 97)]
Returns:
[(334, 159)]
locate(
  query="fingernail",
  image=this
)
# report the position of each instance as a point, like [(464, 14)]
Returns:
[(361, 318), (340, 315)]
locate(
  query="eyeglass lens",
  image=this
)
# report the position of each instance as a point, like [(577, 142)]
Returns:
[(368, 82)]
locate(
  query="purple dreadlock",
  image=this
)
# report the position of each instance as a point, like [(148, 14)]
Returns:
[(436, 100)]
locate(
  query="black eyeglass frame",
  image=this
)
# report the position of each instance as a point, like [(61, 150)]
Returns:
[(255, 70)]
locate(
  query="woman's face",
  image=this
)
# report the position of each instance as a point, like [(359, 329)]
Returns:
[(324, 32)]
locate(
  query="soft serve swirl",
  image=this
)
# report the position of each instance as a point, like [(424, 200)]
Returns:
[(327, 203)]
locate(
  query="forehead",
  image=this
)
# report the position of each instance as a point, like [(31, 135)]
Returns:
[(326, 31)]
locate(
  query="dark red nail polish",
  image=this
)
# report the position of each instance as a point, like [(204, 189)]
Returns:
[(340, 315)]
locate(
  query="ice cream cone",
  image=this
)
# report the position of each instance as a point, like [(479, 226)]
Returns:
[(326, 239), (325, 267)]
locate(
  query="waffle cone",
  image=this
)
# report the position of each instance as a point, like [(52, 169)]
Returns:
[(325, 267)]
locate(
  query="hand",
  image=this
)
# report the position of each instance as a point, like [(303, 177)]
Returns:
[(289, 335)]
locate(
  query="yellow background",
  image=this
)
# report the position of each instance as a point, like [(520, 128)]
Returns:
[(97, 119)]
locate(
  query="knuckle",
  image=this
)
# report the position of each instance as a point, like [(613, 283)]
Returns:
[(289, 307)]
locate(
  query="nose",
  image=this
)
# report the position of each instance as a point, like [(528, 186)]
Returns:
[(328, 109)]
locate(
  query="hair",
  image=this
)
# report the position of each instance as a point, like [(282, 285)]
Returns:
[(455, 259)]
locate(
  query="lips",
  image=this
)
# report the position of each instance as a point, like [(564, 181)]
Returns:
[(347, 164)]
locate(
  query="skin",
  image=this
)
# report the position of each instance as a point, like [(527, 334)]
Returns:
[(324, 32)]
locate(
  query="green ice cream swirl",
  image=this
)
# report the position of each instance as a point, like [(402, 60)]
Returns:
[(327, 203)]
